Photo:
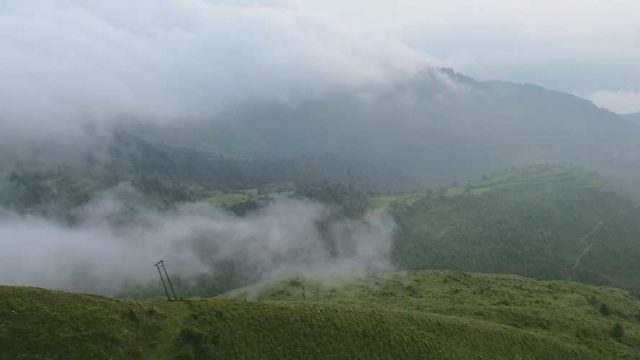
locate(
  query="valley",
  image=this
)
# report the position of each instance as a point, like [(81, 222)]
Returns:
[(313, 179)]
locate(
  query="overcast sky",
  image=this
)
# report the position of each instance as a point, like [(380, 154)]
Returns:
[(172, 59), (587, 47)]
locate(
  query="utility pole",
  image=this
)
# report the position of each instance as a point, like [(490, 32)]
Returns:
[(161, 268)]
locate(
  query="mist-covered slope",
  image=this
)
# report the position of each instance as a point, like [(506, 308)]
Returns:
[(439, 127), (165, 176), (440, 315), (435, 128), (634, 117), (552, 222)]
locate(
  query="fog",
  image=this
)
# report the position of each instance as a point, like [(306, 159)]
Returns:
[(623, 101), (254, 81), (69, 65), (117, 241)]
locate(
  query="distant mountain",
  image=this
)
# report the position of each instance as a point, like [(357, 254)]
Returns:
[(633, 117), (546, 222), (437, 128), (440, 127)]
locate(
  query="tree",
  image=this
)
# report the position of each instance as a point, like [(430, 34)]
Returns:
[(604, 310)]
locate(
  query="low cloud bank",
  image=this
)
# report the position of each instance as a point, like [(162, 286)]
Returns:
[(620, 101), (117, 243), (68, 65)]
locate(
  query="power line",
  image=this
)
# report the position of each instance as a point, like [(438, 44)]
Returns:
[(161, 268)]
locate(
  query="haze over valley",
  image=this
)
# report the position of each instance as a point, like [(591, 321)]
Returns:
[(319, 183)]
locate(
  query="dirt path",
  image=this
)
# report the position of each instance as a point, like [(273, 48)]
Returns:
[(588, 247), (176, 313), (600, 226)]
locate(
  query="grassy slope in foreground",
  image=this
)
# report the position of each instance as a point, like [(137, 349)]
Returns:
[(44, 324), (419, 315), (548, 222), (483, 315)]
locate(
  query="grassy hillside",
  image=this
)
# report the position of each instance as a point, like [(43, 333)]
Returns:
[(37, 324), (416, 315), (562, 316), (550, 222)]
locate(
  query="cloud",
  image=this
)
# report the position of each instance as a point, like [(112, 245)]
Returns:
[(578, 46), (619, 101), (117, 242), (71, 62)]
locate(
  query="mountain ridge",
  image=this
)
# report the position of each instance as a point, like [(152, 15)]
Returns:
[(407, 130)]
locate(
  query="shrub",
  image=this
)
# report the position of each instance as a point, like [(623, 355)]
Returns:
[(617, 331), (604, 310)]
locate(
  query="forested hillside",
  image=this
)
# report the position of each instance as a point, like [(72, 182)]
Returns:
[(437, 127), (551, 222), (165, 176)]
